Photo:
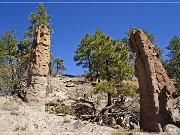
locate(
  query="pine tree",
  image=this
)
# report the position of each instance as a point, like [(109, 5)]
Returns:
[(11, 79), (108, 60), (83, 53), (41, 16), (58, 63), (172, 64)]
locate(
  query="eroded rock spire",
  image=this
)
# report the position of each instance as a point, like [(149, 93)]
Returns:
[(38, 66), (156, 107)]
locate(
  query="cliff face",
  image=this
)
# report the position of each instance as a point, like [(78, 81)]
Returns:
[(156, 107)]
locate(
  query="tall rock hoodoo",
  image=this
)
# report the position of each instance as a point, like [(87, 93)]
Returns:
[(156, 107), (38, 66)]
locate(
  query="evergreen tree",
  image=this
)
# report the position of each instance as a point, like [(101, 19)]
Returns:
[(23, 52), (172, 64), (59, 66), (107, 59), (41, 16), (9, 41), (10, 64), (83, 53)]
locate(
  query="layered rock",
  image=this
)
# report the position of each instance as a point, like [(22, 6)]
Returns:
[(38, 66), (156, 107)]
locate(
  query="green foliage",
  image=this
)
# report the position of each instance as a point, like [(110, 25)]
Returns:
[(107, 60), (127, 89), (64, 109), (105, 87), (9, 43), (58, 63), (172, 64), (5, 78), (12, 67), (83, 53), (24, 48), (3, 52), (37, 18), (114, 88)]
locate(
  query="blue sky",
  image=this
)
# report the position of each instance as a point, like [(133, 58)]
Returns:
[(72, 21)]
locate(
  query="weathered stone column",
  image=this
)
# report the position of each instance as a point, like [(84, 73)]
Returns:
[(156, 107), (38, 66)]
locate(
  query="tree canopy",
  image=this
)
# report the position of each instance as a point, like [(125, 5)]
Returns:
[(41, 16), (108, 61), (172, 64), (11, 67), (58, 64)]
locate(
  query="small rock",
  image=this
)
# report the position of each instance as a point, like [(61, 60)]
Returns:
[(70, 84), (171, 129), (113, 121), (117, 126), (60, 114), (133, 126), (77, 125)]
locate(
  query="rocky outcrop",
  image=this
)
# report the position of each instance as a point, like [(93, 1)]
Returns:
[(156, 107), (38, 67), (40, 55)]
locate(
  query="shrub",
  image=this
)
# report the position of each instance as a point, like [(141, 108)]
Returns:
[(62, 108)]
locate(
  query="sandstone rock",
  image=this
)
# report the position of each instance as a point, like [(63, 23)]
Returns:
[(38, 66), (40, 55), (156, 107)]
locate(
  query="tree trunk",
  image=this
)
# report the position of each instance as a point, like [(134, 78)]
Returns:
[(56, 68), (109, 100), (50, 68), (109, 110)]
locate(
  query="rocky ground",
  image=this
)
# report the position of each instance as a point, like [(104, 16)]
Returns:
[(17, 117), (22, 118)]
